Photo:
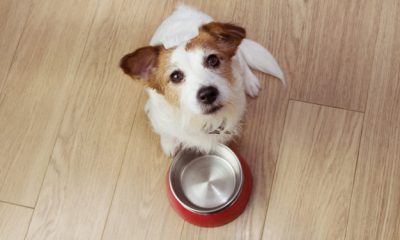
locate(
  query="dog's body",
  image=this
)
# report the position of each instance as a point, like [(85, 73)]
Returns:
[(198, 79)]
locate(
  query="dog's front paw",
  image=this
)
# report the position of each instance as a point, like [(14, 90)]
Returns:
[(251, 84), (170, 146)]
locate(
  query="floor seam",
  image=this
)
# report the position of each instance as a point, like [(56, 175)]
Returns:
[(2, 87), (120, 168), (276, 167), (354, 176), (324, 105), (16, 49), (16, 204), (58, 129)]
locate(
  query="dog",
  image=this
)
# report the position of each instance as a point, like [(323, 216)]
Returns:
[(197, 73)]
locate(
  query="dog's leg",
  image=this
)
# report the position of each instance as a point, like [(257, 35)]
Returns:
[(169, 145), (251, 82)]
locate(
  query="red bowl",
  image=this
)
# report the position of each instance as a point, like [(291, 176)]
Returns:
[(220, 217)]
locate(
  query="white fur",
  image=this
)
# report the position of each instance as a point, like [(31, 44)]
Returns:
[(186, 125), (180, 27), (183, 25)]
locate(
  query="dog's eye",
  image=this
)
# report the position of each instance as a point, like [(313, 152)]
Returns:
[(176, 76), (212, 61)]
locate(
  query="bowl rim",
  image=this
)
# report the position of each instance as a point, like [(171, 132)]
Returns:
[(228, 203)]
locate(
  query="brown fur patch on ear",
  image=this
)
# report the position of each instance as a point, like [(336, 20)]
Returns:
[(151, 65), (141, 63), (228, 36), (225, 31)]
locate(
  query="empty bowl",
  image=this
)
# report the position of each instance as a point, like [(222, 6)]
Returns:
[(209, 189)]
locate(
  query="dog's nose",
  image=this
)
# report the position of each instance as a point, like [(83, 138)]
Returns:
[(207, 95)]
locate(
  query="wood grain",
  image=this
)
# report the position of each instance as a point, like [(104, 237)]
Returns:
[(36, 91), (14, 221), (80, 182), (337, 43), (141, 198), (13, 15), (314, 177), (375, 208), (66, 107)]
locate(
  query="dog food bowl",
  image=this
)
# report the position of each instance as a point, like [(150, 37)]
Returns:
[(209, 190)]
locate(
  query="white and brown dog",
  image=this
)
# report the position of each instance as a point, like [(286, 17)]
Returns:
[(197, 72)]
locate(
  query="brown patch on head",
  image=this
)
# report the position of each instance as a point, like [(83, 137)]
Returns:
[(223, 37), (225, 70), (162, 79), (150, 65)]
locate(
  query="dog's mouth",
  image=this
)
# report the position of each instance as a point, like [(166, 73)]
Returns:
[(212, 109)]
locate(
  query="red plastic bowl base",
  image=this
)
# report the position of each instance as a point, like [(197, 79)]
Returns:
[(222, 217)]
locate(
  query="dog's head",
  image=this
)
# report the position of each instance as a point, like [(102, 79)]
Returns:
[(197, 76)]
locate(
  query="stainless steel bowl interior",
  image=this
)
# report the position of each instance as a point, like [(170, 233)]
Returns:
[(206, 183)]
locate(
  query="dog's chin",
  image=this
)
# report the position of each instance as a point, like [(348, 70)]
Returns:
[(212, 109)]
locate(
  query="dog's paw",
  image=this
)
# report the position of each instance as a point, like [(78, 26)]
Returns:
[(251, 84), (147, 108), (170, 146)]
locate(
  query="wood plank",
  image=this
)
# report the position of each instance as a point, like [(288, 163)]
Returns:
[(13, 15), (14, 221), (265, 115), (375, 208), (141, 198), (36, 92), (312, 187), (337, 51), (82, 175)]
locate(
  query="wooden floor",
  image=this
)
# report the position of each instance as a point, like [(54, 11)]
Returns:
[(78, 159)]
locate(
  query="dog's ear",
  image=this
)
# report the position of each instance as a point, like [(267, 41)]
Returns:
[(229, 36), (141, 63)]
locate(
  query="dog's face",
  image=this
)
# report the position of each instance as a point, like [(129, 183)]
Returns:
[(196, 77)]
